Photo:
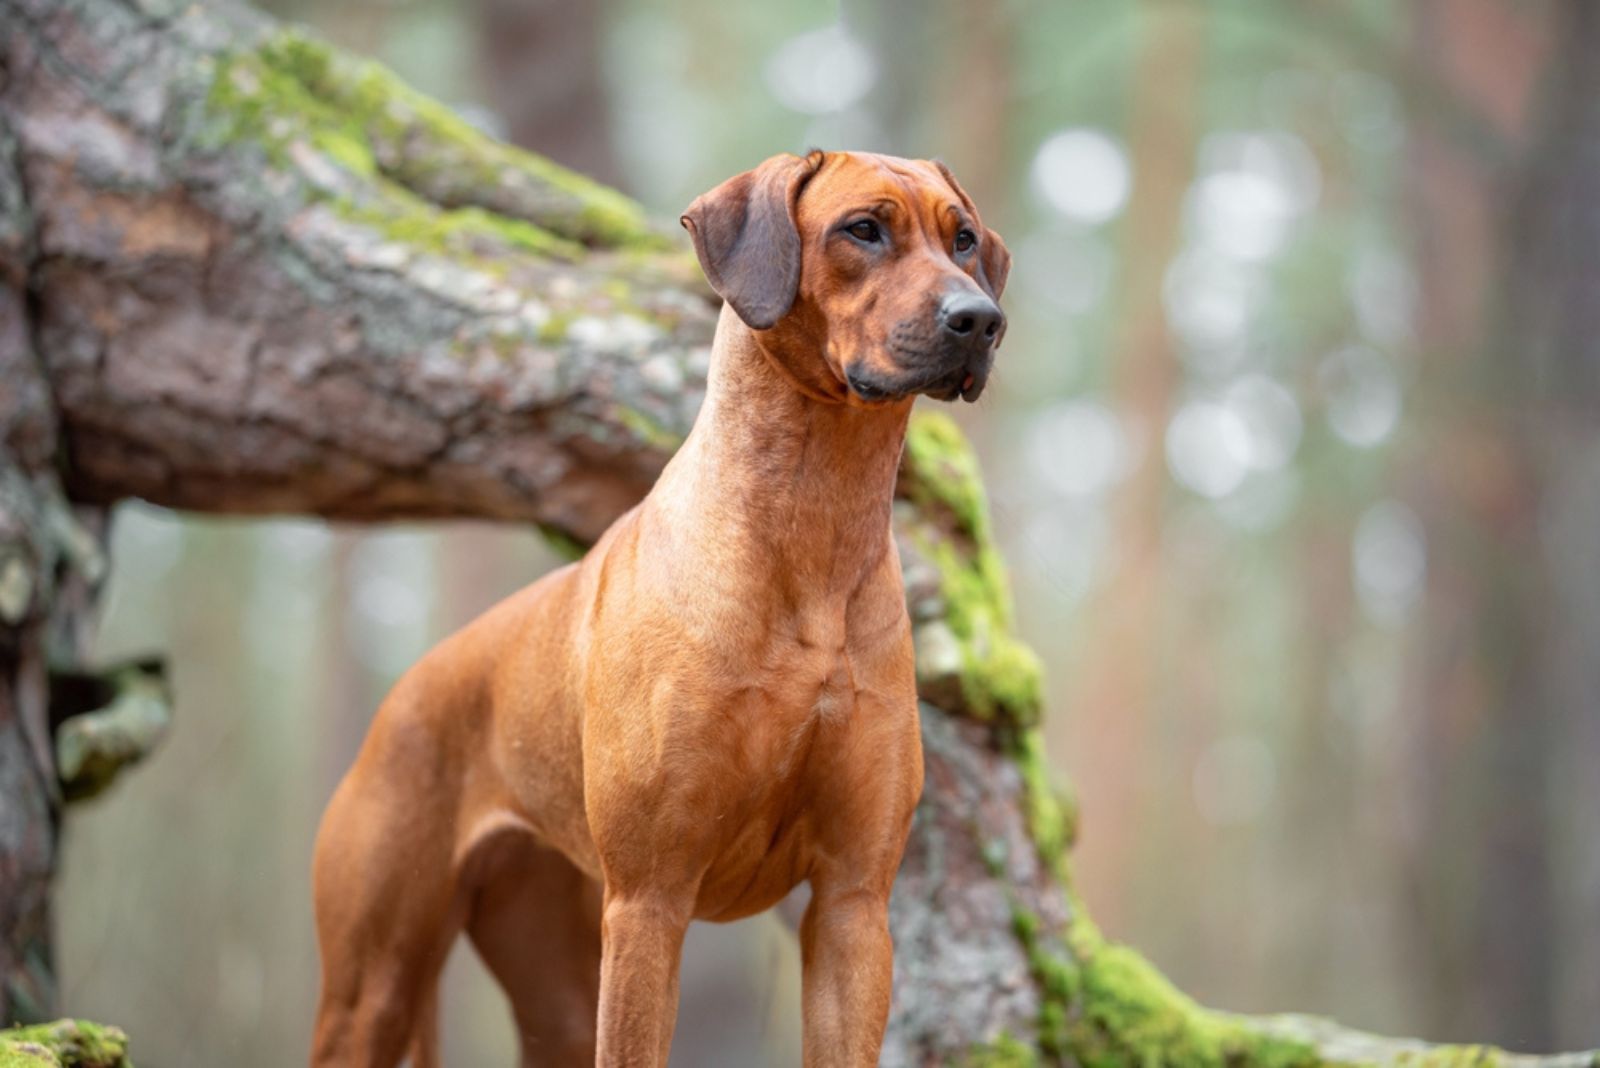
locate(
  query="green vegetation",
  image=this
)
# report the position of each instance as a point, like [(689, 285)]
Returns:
[(941, 470), (1052, 817), (64, 1044), (128, 711), (564, 544), (423, 175), (1001, 678), (1131, 1015), (648, 430), (1004, 1052), (1105, 1006)]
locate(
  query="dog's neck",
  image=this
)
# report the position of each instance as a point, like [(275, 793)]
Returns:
[(808, 481)]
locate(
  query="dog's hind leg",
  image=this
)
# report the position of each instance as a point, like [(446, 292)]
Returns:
[(535, 922), (387, 908)]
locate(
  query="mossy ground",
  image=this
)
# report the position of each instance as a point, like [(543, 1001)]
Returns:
[(64, 1044)]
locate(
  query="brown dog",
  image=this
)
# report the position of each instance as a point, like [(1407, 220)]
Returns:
[(718, 702)]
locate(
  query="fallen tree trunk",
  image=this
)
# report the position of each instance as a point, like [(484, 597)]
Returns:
[(244, 273)]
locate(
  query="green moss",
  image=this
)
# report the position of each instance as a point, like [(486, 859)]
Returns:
[(562, 542), (421, 140), (1105, 1006), (65, 1043), (1082, 936), (425, 164), (109, 721), (554, 329), (259, 97), (942, 470), (1057, 976), (648, 430), (410, 220), (1052, 819), (1132, 1016), (1452, 1057), (349, 153), (1001, 678), (1004, 1052), (1101, 1005)]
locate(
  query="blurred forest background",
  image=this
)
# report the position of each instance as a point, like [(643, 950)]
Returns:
[(1303, 527)]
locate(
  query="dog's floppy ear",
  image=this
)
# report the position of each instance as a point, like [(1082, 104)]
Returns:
[(747, 239), (994, 259)]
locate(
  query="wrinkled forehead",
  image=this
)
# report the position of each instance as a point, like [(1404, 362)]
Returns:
[(853, 180)]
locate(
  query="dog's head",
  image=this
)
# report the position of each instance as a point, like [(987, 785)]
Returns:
[(869, 278)]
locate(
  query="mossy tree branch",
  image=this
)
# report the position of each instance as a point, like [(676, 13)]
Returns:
[(262, 276), (313, 290)]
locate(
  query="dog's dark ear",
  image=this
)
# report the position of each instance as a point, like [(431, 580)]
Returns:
[(994, 259), (747, 239)]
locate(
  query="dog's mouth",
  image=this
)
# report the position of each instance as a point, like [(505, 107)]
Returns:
[(966, 390), (963, 383), (969, 388)]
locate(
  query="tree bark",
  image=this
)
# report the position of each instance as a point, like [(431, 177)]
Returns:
[(1504, 688), (245, 273)]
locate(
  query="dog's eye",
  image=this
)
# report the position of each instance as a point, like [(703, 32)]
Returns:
[(965, 239), (866, 230)]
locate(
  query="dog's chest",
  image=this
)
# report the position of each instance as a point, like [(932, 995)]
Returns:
[(763, 849), (812, 683), (790, 730), (812, 659)]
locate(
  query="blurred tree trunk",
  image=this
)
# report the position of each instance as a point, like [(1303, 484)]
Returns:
[(246, 273), (978, 130), (1544, 739), (1117, 693), (1509, 257), (544, 76)]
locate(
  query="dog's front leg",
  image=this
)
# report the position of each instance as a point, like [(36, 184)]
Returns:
[(642, 944), (848, 964)]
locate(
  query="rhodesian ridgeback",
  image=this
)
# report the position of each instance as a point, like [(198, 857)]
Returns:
[(718, 701)]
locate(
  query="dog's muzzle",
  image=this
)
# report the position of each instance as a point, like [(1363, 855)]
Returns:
[(955, 362)]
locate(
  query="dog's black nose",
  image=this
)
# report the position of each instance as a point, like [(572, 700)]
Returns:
[(971, 316)]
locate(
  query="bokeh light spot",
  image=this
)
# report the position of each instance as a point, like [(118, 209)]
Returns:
[(821, 71), (1083, 174)]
